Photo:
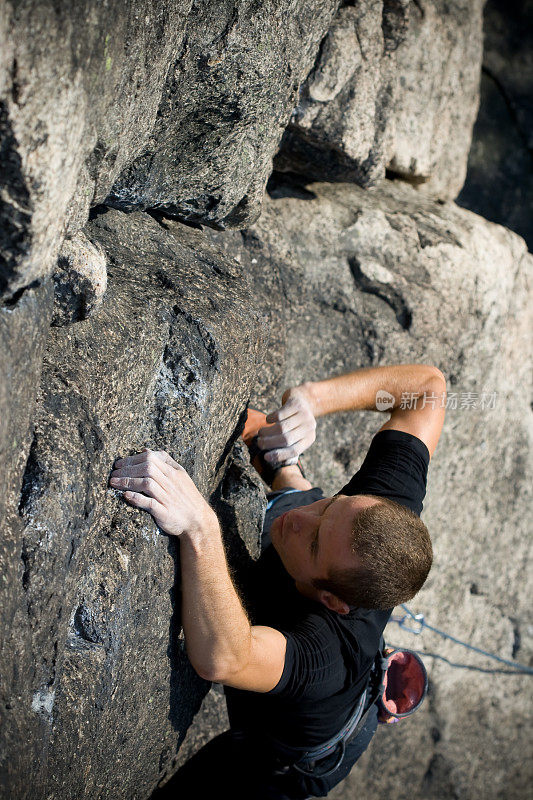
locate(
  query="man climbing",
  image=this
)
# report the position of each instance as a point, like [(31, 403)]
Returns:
[(331, 570)]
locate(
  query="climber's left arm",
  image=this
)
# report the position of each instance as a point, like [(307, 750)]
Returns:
[(221, 644)]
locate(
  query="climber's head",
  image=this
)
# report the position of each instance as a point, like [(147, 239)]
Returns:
[(354, 551)]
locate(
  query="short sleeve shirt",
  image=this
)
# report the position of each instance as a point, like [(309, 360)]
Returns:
[(329, 656)]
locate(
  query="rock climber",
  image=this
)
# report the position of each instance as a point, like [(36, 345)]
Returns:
[(330, 572)]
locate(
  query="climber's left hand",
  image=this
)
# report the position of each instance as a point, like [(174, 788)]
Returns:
[(153, 481), (291, 428)]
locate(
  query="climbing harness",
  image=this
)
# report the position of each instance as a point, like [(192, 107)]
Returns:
[(307, 762), (397, 685), (415, 623)]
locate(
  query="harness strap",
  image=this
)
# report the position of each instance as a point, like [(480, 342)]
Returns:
[(306, 758), (307, 764), (344, 734), (321, 751)]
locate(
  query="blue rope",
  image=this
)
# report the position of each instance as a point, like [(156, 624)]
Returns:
[(421, 622)]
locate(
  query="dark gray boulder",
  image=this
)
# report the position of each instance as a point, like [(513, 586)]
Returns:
[(80, 85), (23, 333), (178, 105), (80, 280), (227, 99), (97, 690), (340, 129), (395, 86)]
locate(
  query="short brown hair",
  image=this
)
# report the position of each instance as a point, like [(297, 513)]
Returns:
[(395, 554)]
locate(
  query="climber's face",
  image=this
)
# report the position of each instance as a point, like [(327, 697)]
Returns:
[(313, 540)]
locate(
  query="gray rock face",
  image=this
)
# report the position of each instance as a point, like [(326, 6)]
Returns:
[(93, 617), (80, 280), (227, 99), (148, 332), (182, 107), (396, 86), (23, 334), (380, 276), (80, 85), (340, 128), (439, 65), (199, 92)]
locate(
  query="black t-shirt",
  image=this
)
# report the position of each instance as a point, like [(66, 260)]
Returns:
[(329, 655)]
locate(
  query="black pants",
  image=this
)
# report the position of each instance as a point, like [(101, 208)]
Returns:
[(244, 770)]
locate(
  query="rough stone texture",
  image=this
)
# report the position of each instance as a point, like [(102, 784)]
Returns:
[(92, 619), (23, 333), (436, 106), (83, 94), (80, 280), (395, 85), (499, 182), (240, 501), (340, 128), (80, 85), (380, 276), (180, 106), (226, 102)]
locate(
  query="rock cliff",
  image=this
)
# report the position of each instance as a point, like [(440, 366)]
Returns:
[(395, 86), (133, 137), (92, 617)]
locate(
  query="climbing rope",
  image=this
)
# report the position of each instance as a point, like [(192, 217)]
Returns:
[(410, 619)]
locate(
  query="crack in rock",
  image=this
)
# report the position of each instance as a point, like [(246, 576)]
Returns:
[(384, 291)]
